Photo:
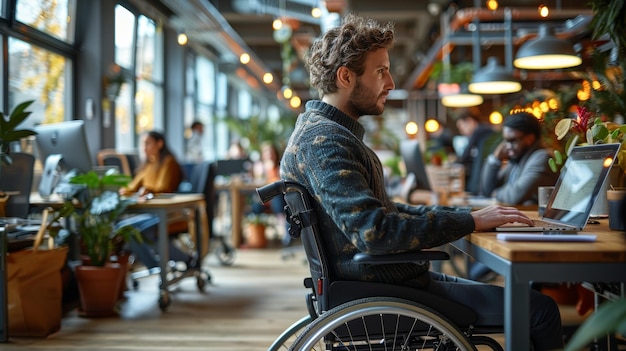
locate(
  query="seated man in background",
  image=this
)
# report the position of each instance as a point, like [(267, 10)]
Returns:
[(519, 165)]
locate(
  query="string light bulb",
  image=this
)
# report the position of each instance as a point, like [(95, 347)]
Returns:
[(268, 78), (432, 125), (277, 24), (411, 128), (244, 58), (182, 39)]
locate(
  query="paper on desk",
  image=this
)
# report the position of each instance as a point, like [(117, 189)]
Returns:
[(546, 237)]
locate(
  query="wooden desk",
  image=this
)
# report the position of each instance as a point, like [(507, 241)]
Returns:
[(521, 263), (163, 207), (237, 190)]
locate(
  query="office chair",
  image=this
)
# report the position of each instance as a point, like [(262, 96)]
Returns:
[(16, 180), (359, 315), (202, 180), (110, 157)]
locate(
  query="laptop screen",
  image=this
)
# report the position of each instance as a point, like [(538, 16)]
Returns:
[(580, 181)]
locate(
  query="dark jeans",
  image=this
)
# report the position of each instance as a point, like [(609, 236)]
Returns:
[(488, 301), (147, 251)]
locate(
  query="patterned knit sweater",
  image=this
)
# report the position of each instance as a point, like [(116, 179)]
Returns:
[(327, 155)]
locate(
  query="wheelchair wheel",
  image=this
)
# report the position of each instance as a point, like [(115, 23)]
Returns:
[(381, 323), (286, 339)]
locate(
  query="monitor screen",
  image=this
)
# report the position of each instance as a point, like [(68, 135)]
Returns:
[(61, 147), (414, 162)]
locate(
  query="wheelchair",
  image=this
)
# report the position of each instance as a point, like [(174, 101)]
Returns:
[(357, 315)]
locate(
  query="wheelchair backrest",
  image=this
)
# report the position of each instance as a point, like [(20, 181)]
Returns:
[(302, 219)]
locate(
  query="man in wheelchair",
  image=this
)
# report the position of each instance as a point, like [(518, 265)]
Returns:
[(350, 68)]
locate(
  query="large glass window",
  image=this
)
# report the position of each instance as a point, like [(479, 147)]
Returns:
[(40, 75), (139, 51), (51, 17), (124, 37)]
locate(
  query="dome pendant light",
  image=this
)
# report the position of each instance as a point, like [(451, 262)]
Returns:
[(494, 79), (462, 99), (546, 52)]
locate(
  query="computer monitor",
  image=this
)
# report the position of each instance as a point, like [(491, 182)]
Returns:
[(61, 147), (414, 162)]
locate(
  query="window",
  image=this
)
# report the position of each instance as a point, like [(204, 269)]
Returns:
[(40, 75), (139, 51), (54, 18)]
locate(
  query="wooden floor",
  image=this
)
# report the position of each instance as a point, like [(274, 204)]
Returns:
[(245, 308)]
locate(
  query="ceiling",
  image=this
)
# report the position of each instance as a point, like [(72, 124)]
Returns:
[(227, 29)]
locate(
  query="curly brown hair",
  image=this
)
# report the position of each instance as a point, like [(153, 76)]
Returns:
[(345, 45)]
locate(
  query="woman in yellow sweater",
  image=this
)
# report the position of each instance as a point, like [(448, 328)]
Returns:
[(161, 173)]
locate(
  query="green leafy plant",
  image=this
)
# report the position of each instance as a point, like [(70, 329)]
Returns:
[(587, 130), (97, 210), (257, 130), (609, 318), (9, 131), (259, 218)]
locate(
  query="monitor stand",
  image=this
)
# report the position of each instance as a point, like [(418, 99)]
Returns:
[(50, 175)]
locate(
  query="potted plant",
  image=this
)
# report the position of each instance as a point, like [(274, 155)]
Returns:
[(98, 207), (256, 224)]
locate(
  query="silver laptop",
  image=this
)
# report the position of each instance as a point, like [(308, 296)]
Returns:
[(575, 192)]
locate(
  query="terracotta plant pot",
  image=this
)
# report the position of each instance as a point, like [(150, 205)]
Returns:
[(256, 238), (99, 289)]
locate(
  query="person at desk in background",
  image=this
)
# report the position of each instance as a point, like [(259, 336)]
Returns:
[(349, 66), (267, 169), (195, 143), (526, 168), (478, 146), (161, 172)]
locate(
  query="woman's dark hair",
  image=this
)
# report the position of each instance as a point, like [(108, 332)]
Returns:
[(346, 45), (158, 136)]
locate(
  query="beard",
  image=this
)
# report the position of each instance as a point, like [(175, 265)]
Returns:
[(363, 101)]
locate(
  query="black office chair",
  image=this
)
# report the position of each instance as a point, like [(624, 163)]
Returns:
[(16, 180), (202, 180), (359, 315)]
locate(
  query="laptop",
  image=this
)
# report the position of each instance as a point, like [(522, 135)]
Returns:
[(575, 192)]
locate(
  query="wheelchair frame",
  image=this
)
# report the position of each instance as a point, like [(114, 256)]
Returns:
[(357, 315)]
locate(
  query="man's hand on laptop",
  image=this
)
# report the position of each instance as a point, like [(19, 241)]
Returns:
[(492, 216)]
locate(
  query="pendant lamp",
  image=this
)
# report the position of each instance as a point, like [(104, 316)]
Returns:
[(461, 99), (546, 52), (494, 79)]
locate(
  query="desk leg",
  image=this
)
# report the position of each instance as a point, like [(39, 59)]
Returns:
[(164, 300), (202, 222), (236, 216), (4, 313), (516, 314)]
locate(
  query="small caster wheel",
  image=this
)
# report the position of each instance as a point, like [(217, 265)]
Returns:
[(225, 255), (164, 300), (135, 285), (201, 283)]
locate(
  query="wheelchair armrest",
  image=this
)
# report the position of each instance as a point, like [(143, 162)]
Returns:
[(416, 256)]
